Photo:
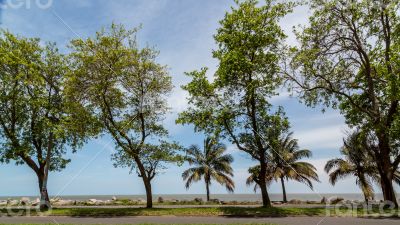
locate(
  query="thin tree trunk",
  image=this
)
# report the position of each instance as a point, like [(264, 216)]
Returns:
[(365, 197), (44, 195), (208, 190), (283, 190)]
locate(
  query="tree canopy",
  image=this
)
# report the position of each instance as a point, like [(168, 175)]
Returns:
[(37, 122), (235, 104), (348, 59), (124, 89)]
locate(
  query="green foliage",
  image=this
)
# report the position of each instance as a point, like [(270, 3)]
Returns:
[(124, 89), (37, 121), (348, 59), (284, 164), (154, 157), (235, 104), (357, 163), (254, 177), (286, 158)]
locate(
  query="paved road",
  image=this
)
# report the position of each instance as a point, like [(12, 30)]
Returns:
[(203, 220)]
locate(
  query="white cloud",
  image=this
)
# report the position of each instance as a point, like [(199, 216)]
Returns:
[(329, 137)]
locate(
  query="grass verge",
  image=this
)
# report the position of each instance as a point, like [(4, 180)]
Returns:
[(209, 211)]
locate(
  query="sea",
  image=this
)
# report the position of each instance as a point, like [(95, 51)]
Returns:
[(221, 197)]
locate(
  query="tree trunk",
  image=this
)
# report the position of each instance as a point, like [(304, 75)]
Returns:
[(149, 194), (388, 190), (146, 181), (385, 169), (283, 190), (263, 186), (365, 197), (208, 190), (44, 195)]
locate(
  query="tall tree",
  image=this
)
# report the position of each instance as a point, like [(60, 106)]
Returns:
[(235, 105), (349, 59), (124, 89), (286, 164), (211, 164), (37, 124), (357, 162)]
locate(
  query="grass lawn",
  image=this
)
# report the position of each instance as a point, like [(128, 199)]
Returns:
[(209, 211)]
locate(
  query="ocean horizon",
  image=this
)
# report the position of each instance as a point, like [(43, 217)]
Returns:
[(221, 197)]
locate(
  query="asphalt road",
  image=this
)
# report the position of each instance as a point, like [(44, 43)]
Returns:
[(203, 220)]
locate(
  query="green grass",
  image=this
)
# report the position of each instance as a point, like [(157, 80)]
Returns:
[(208, 211), (156, 224)]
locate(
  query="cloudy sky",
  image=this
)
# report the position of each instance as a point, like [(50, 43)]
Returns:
[(183, 32)]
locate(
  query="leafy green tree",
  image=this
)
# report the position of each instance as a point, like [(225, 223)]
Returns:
[(123, 88), (286, 164), (234, 105), (357, 163), (349, 59), (210, 164), (37, 123)]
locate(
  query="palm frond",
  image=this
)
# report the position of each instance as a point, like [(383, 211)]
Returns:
[(212, 162)]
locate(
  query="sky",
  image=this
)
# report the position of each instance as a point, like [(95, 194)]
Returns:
[(182, 30)]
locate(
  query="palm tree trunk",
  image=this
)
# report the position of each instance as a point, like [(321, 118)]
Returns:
[(208, 190), (365, 197), (283, 190)]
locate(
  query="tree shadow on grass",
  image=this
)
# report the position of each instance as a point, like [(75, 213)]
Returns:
[(271, 212)]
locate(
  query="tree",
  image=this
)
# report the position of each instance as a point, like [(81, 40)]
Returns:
[(37, 123), (254, 172), (235, 104), (211, 164), (357, 162), (349, 59), (285, 160), (124, 89), (283, 164)]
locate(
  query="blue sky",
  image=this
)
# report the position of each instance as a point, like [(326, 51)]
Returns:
[(183, 32)]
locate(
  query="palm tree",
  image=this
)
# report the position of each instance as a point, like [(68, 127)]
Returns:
[(283, 164), (254, 173), (210, 164), (285, 158), (356, 163)]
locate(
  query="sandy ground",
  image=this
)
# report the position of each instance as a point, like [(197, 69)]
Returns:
[(203, 220)]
